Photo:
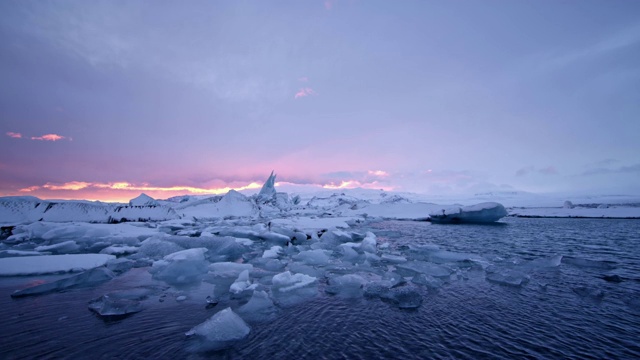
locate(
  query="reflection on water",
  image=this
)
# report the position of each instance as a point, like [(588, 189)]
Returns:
[(578, 309)]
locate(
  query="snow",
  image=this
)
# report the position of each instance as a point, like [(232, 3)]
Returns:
[(51, 264), (143, 200), (233, 204)]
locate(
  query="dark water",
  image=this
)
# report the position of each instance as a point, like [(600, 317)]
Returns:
[(567, 311)]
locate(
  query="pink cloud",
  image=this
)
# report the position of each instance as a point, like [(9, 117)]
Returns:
[(303, 79), (30, 189), (328, 4), (72, 185), (380, 173), (14, 135), (303, 92), (49, 137)]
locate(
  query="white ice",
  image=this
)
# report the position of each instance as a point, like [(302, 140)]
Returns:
[(182, 267), (480, 213), (51, 264), (219, 331)]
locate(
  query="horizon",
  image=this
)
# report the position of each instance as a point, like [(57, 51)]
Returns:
[(104, 101)]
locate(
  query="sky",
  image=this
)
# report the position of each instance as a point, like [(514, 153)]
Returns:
[(102, 100)]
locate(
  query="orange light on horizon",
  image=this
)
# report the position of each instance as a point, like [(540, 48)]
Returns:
[(80, 190)]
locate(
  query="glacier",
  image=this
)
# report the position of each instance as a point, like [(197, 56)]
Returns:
[(255, 255)]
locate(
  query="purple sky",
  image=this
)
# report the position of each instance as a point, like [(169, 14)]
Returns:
[(103, 100)]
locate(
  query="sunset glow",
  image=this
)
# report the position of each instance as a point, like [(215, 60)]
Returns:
[(111, 100)]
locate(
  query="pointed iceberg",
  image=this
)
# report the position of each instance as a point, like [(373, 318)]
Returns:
[(269, 188)]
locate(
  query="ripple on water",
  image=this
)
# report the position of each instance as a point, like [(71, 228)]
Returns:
[(468, 317)]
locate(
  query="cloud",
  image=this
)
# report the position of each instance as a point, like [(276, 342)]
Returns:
[(352, 184), (379, 173), (303, 92), (125, 186), (50, 137), (73, 185), (14, 135), (549, 170), (525, 171), (328, 4), (620, 40), (607, 170)]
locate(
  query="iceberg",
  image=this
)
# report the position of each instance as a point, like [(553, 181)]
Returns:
[(487, 212), (106, 306), (219, 331), (286, 281), (85, 279), (259, 308), (268, 190), (181, 268), (51, 264)]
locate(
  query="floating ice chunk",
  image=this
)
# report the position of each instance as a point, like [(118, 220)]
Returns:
[(286, 281), (229, 269), (15, 253), (506, 276), (120, 266), (348, 253), (369, 243), (272, 253), (242, 283), (49, 264), (313, 257), (65, 247), (259, 308), (441, 256), (275, 238), (394, 259), (288, 289), (107, 306), (480, 213), (405, 297), (268, 264), (587, 263), (157, 249), (412, 268), (543, 263), (307, 270), (119, 250), (181, 298), (589, 293), (244, 241), (331, 239), (85, 279), (219, 332), (348, 286), (427, 280), (182, 267)]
